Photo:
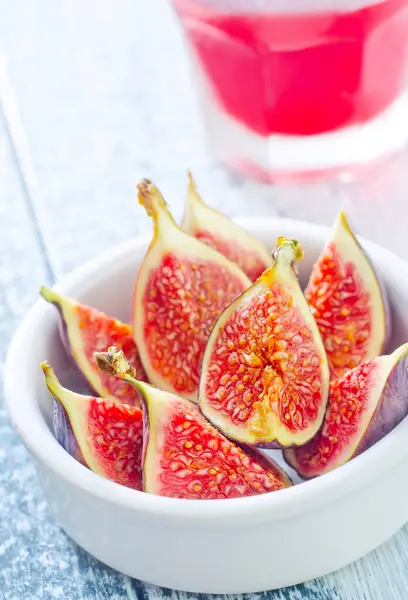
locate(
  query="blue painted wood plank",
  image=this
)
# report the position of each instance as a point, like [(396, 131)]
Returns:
[(37, 561), (302, 592)]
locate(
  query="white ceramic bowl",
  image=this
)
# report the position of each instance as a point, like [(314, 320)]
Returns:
[(220, 546)]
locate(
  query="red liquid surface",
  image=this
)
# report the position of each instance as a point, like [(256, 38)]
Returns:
[(300, 74)]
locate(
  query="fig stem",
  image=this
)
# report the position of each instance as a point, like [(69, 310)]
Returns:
[(287, 251), (153, 202), (343, 222), (50, 295), (192, 192), (51, 380), (114, 363)]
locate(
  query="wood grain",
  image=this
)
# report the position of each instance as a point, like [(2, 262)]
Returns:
[(106, 98)]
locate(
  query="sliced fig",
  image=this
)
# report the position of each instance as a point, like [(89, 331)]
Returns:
[(364, 405), (86, 330), (265, 377), (182, 287), (105, 435), (347, 302), (218, 231), (184, 456)]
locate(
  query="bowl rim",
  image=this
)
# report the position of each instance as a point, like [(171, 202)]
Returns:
[(29, 423)]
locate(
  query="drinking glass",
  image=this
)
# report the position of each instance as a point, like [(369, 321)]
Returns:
[(293, 87)]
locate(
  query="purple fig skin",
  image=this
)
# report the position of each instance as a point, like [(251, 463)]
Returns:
[(63, 432), (63, 333), (61, 423), (274, 445), (391, 409), (62, 330), (146, 435)]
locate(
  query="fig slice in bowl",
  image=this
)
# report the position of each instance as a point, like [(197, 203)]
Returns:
[(347, 301), (85, 330), (181, 288), (184, 456), (104, 435), (218, 231), (364, 405), (265, 376)]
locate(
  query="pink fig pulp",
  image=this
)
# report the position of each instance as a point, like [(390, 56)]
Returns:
[(364, 405), (347, 301), (181, 288), (104, 435), (265, 377), (86, 330), (184, 456), (219, 232)]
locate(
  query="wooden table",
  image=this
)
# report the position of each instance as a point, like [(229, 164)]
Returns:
[(105, 96)]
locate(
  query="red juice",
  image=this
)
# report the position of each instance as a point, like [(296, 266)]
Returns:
[(300, 73)]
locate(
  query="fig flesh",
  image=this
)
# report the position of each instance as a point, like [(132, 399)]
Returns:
[(265, 376), (86, 330), (364, 405), (218, 231), (181, 288), (184, 456), (104, 435), (347, 302)]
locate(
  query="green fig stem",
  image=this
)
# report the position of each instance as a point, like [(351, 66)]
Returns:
[(192, 193), (50, 295), (342, 223), (287, 251), (114, 363), (51, 380), (152, 200)]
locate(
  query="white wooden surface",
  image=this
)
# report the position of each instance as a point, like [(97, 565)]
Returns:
[(106, 98)]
